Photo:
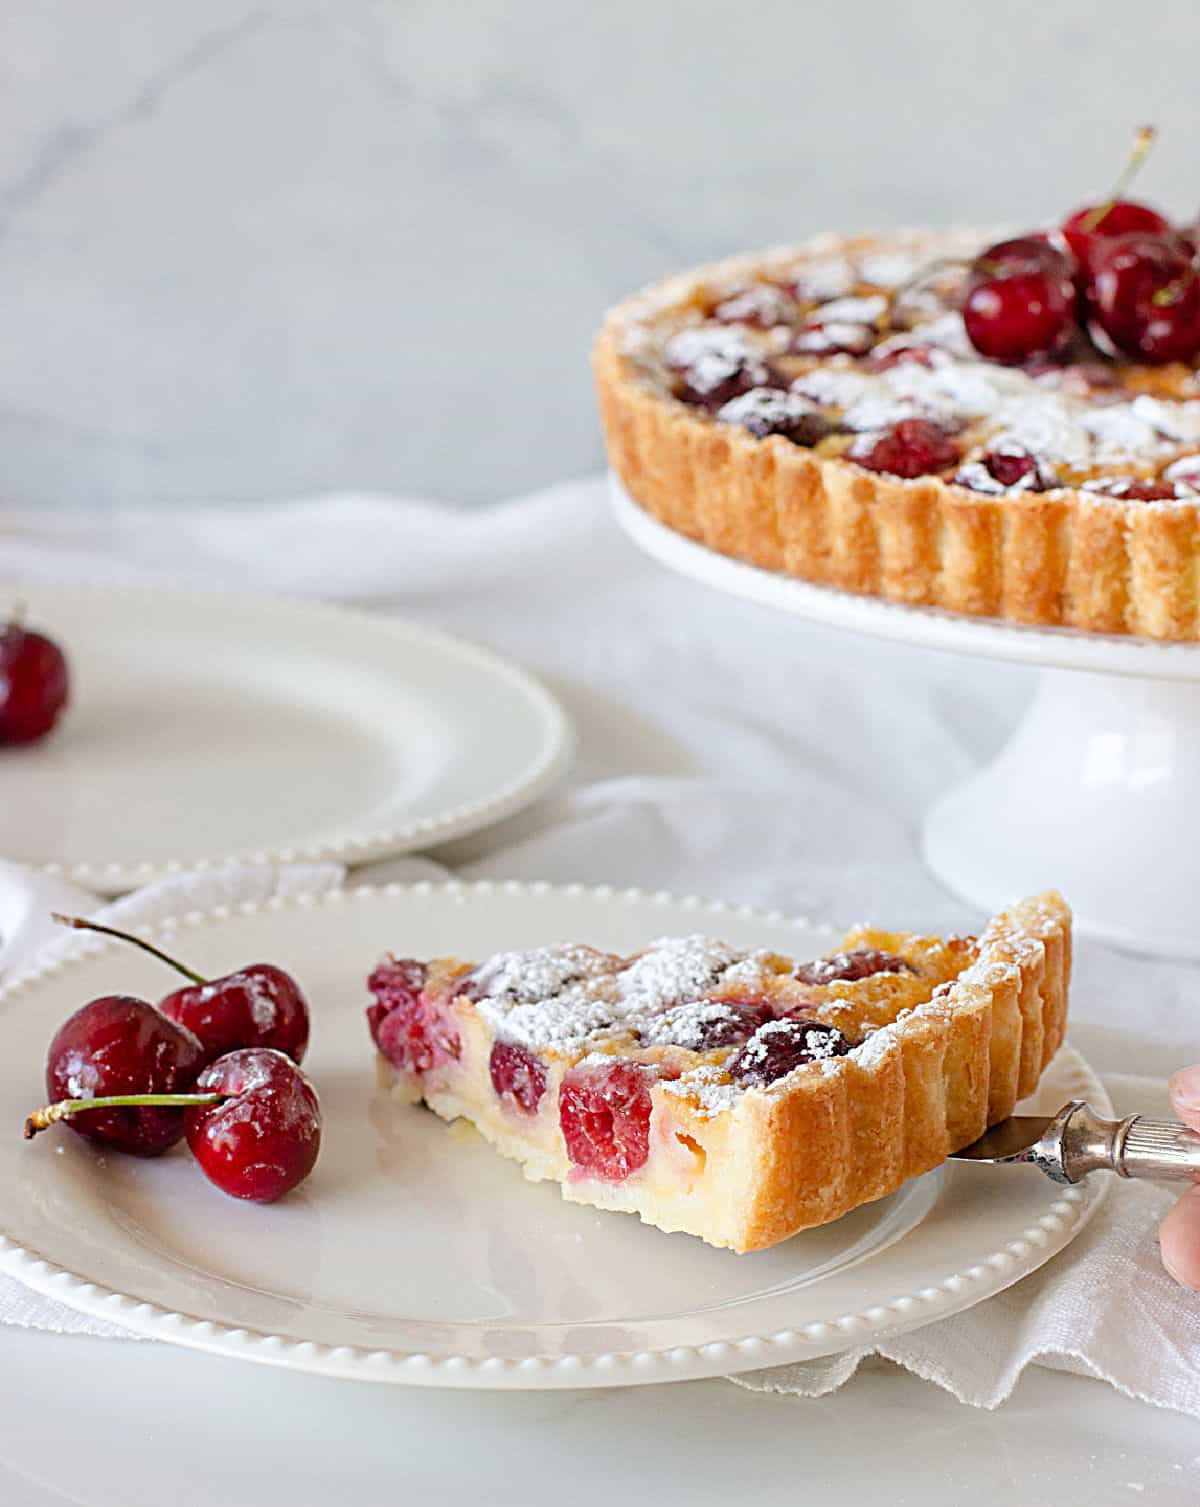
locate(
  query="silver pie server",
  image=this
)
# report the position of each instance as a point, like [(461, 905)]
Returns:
[(1076, 1141)]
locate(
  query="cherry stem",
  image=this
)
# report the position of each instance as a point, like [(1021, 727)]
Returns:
[(80, 923), (66, 1109), (1142, 142), (921, 276)]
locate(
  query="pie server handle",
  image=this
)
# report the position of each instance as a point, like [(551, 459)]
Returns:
[(1079, 1141)]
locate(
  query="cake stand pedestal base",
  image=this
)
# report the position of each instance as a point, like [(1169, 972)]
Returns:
[(1098, 789), (1097, 792)]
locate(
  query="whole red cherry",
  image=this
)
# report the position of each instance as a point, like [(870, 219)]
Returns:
[(264, 1137), (34, 684), (113, 1047), (1087, 230), (256, 1006), (1020, 300), (1146, 297)]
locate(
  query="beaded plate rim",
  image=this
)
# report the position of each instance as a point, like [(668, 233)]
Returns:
[(556, 736), (1028, 1248)]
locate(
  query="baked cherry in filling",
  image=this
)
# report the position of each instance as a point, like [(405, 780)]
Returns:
[(767, 410), (518, 1076), (704, 1025), (604, 1112), (409, 1028), (849, 967), (910, 448), (780, 1046), (1133, 489)]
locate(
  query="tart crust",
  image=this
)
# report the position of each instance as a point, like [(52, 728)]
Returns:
[(1063, 558), (830, 1136)]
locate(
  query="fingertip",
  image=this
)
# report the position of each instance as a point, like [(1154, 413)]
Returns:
[(1185, 1095), (1179, 1240)]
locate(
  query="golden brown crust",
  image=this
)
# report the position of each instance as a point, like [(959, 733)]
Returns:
[(1067, 558), (930, 1084)]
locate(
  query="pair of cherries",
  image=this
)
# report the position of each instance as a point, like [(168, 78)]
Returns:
[(1119, 270), (216, 1061)]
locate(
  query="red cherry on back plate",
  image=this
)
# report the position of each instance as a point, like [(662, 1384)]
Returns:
[(34, 684), (263, 1140), (120, 1045), (1020, 300), (257, 1006), (1146, 297), (604, 1113)]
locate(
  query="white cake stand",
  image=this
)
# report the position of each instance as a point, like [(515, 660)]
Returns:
[(1098, 789)]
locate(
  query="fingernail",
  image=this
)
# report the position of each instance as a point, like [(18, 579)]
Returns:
[(1185, 1087), (1188, 1282)]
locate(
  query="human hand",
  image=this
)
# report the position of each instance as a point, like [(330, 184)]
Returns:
[(1179, 1234)]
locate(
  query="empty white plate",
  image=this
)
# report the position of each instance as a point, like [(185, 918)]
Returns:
[(208, 726), (414, 1253)]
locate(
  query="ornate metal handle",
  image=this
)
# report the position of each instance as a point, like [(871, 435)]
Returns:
[(1136, 1146)]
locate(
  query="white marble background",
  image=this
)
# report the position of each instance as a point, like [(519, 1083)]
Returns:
[(252, 248)]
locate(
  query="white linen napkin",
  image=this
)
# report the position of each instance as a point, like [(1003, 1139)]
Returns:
[(724, 750)]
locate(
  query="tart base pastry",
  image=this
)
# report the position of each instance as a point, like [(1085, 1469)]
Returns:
[(1080, 551), (737, 1097)]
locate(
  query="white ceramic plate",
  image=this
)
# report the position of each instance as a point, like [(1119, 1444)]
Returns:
[(207, 726), (414, 1253)]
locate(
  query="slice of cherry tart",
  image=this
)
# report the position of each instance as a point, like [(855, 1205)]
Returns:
[(739, 1096)]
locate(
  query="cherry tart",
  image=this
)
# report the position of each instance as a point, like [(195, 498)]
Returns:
[(736, 1096), (1000, 429)]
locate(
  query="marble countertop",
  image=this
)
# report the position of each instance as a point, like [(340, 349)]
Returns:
[(249, 249)]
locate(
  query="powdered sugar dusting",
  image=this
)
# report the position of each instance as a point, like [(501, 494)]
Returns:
[(823, 280), (561, 999), (690, 1025), (766, 405), (672, 970), (710, 1090)]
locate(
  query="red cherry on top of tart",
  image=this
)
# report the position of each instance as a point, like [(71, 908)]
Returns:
[(34, 683), (1053, 358), (1088, 230), (256, 1006), (1020, 301)]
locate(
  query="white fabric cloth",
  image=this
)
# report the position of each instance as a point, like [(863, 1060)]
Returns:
[(724, 750)]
